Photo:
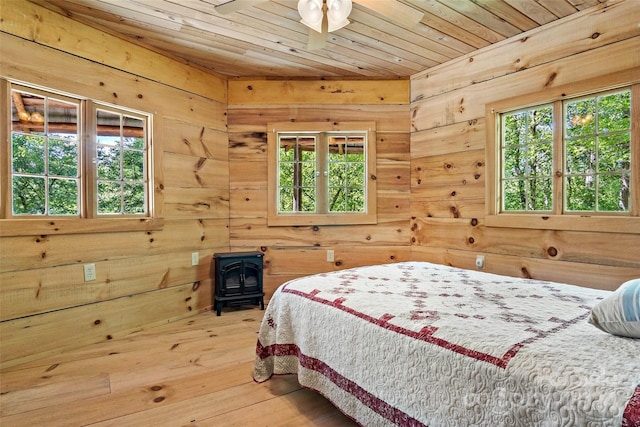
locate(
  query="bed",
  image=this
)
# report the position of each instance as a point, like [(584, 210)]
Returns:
[(416, 344)]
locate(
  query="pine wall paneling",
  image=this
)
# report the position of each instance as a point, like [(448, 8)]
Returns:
[(431, 175), (296, 251), (449, 135), (144, 278)]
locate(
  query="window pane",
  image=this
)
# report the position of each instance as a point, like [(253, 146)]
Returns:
[(63, 158), (109, 127), (613, 194), (308, 149), (28, 195), (133, 165), (614, 112), (28, 112), (109, 140), (514, 198), (109, 198), (308, 178), (540, 194), (133, 133), (540, 160), (287, 149), (62, 119), (286, 200), (355, 200), (27, 153), (514, 162), (581, 155), (535, 194), (134, 202), (355, 175), (286, 174), (337, 199), (308, 200), (63, 196), (580, 193), (614, 153), (580, 118), (336, 152), (337, 174), (108, 162)]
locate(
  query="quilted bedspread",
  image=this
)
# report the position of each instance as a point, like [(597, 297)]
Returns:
[(424, 344)]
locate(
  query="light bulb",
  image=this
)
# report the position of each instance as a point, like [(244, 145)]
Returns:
[(311, 13), (337, 13)]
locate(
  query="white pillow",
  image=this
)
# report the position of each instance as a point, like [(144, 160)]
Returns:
[(619, 313)]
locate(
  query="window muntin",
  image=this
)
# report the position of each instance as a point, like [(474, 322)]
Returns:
[(595, 164), (322, 173), (73, 158)]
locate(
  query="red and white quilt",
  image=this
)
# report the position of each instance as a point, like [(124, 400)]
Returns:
[(424, 344)]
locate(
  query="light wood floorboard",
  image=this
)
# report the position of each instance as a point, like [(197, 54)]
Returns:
[(194, 372)]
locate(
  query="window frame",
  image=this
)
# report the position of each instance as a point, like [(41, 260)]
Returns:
[(617, 222), (275, 218), (88, 221)]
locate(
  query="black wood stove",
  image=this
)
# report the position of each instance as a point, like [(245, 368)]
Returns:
[(238, 279)]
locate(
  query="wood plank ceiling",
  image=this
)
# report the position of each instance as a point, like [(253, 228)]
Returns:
[(266, 39)]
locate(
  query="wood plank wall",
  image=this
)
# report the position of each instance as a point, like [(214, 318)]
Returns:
[(296, 251), (448, 138), (213, 185), (144, 278)]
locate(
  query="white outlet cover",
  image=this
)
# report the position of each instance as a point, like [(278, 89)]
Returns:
[(195, 258), (89, 272), (330, 255)]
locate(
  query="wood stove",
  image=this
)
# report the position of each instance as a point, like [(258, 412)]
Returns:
[(238, 279)]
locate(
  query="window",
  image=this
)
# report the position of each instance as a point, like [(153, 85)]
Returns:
[(572, 158), (73, 158), (597, 147), (45, 154), (121, 164), (321, 173)]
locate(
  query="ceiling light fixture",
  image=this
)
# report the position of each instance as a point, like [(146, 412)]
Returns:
[(313, 11)]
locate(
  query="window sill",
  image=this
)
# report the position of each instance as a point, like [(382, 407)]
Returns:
[(595, 223), (61, 226)]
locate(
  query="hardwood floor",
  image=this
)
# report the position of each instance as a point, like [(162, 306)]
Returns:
[(194, 372)]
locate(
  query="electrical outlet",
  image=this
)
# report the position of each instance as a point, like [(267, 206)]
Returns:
[(480, 261), (330, 255), (89, 272), (195, 258)]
